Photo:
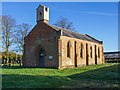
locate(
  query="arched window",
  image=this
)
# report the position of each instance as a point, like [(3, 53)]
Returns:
[(102, 49), (91, 51), (98, 52), (68, 49), (81, 51)]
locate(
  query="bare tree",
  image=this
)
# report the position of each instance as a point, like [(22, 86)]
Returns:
[(64, 23), (8, 25), (22, 31)]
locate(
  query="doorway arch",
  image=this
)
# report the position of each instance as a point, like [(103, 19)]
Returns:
[(40, 56)]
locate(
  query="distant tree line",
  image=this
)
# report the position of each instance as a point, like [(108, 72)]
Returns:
[(13, 59), (13, 36)]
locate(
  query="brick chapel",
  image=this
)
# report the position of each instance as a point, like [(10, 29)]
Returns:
[(51, 46)]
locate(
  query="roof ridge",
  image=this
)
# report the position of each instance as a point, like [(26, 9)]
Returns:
[(67, 29), (92, 38), (73, 33), (112, 52)]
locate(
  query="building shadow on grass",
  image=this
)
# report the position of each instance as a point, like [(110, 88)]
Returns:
[(11, 67), (21, 67), (106, 77)]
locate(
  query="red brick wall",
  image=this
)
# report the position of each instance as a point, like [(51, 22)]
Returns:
[(70, 62), (42, 36)]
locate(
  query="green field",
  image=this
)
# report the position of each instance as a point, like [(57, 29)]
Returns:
[(94, 76)]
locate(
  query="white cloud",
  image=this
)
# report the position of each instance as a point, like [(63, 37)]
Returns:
[(100, 13)]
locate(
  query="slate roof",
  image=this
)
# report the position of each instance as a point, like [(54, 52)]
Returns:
[(77, 35), (112, 55)]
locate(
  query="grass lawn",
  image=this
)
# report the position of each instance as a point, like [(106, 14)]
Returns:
[(94, 76)]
